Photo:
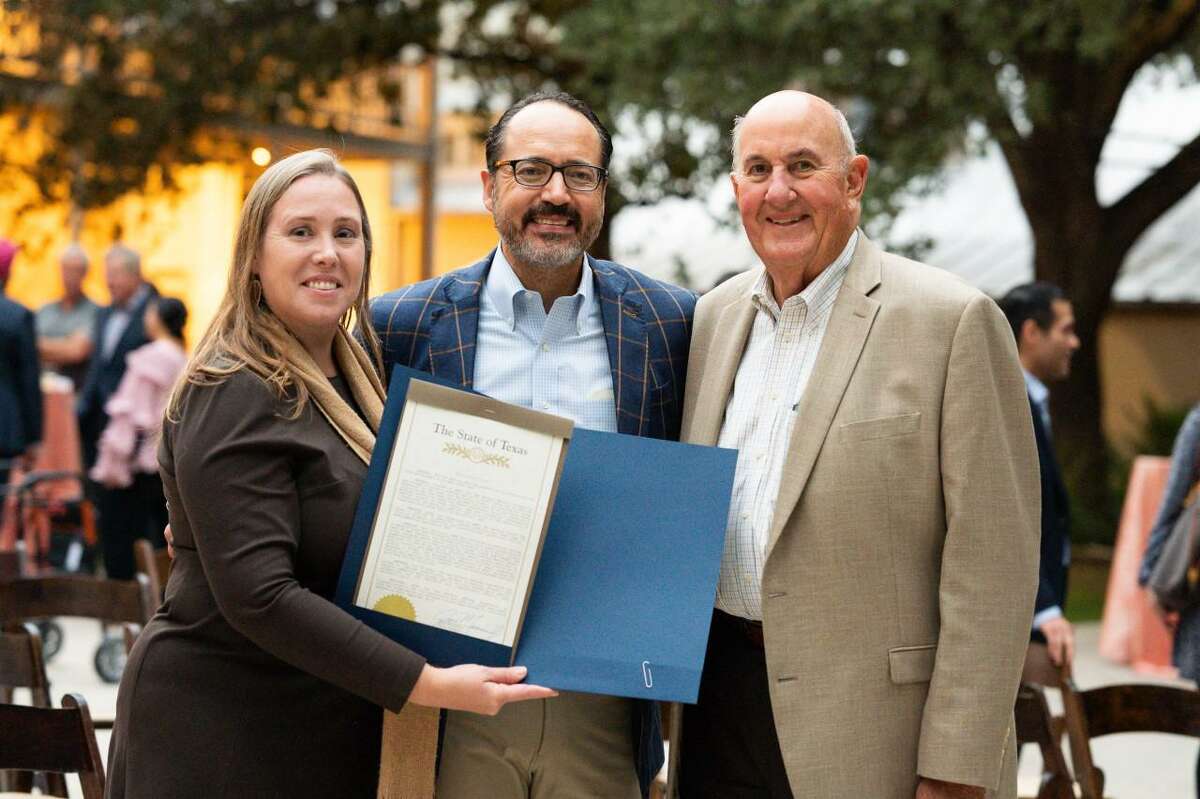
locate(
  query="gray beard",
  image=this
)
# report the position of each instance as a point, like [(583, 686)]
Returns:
[(546, 257)]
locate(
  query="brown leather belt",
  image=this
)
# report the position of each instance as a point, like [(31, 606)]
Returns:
[(748, 629)]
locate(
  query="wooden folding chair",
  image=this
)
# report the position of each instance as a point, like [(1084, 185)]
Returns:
[(128, 603), (22, 667), (1113, 709), (1035, 725), (60, 741), (154, 563)]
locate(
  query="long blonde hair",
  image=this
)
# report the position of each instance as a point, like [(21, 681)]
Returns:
[(245, 334)]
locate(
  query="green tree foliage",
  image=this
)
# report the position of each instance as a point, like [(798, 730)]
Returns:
[(132, 82), (918, 80)]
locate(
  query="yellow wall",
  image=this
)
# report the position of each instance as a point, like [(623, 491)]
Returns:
[(1150, 352), (374, 183), (460, 239)]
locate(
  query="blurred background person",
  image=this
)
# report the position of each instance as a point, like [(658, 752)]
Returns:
[(1182, 481), (65, 326), (118, 331), (126, 462), (20, 394), (249, 681), (1043, 323)]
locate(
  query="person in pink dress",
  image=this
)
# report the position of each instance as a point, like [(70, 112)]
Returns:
[(126, 457)]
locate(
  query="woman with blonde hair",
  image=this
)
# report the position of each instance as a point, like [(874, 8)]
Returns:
[(249, 681)]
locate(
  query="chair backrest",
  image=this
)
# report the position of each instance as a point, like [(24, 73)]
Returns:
[(77, 595), (22, 665), (154, 563), (1035, 725), (46, 739), (1113, 709)]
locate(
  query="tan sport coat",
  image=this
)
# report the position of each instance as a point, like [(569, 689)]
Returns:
[(902, 561)]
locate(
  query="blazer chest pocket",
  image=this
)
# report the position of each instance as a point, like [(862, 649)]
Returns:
[(883, 427), (909, 664)]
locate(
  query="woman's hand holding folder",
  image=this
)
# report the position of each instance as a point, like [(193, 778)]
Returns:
[(478, 689)]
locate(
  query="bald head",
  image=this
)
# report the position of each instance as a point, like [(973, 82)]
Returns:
[(73, 265), (798, 184), (790, 101)]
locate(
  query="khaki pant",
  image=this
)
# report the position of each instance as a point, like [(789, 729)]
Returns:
[(575, 745)]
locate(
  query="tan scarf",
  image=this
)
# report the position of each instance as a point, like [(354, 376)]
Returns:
[(409, 751)]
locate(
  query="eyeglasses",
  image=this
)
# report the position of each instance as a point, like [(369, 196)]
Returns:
[(535, 173)]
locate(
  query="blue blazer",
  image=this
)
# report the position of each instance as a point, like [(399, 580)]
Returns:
[(104, 374), (432, 326), (1056, 525), (20, 393)]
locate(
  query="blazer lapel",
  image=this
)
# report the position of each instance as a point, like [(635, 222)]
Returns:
[(628, 350), (453, 327), (735, 323), (853, 314)]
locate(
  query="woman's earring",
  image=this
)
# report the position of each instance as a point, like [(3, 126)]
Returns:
[(256, 291)]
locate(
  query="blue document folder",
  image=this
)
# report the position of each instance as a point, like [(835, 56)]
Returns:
[(623, 593)]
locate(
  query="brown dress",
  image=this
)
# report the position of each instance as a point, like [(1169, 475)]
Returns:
[(249, 682)]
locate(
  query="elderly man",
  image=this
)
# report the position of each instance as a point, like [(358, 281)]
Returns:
[(881, 558), (64, 327), (119, 330), (538, 323)]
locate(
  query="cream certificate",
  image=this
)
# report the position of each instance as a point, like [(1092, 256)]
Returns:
[(465, 504)]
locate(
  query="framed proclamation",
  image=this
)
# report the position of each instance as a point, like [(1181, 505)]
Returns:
[(492, 534), (459, 526)]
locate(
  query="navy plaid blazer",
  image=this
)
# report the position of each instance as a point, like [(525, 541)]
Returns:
[(432, 326)]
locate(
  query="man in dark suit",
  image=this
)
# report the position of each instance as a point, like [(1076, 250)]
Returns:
[(20, 395), (119, 330), (539, 323), (1044, 325)]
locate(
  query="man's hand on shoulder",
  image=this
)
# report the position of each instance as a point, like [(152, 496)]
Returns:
[(1060, 640), (937, 789)]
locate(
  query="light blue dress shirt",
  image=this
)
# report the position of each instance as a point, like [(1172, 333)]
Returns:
[(555, 362), (1040, 396)]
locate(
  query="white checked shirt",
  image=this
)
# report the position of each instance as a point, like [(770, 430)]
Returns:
[(770, 383), (556, 362)]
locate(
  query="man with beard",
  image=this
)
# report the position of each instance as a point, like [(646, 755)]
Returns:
[(539, 323)]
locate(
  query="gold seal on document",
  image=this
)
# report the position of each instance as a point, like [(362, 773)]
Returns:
[(396, 605)]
